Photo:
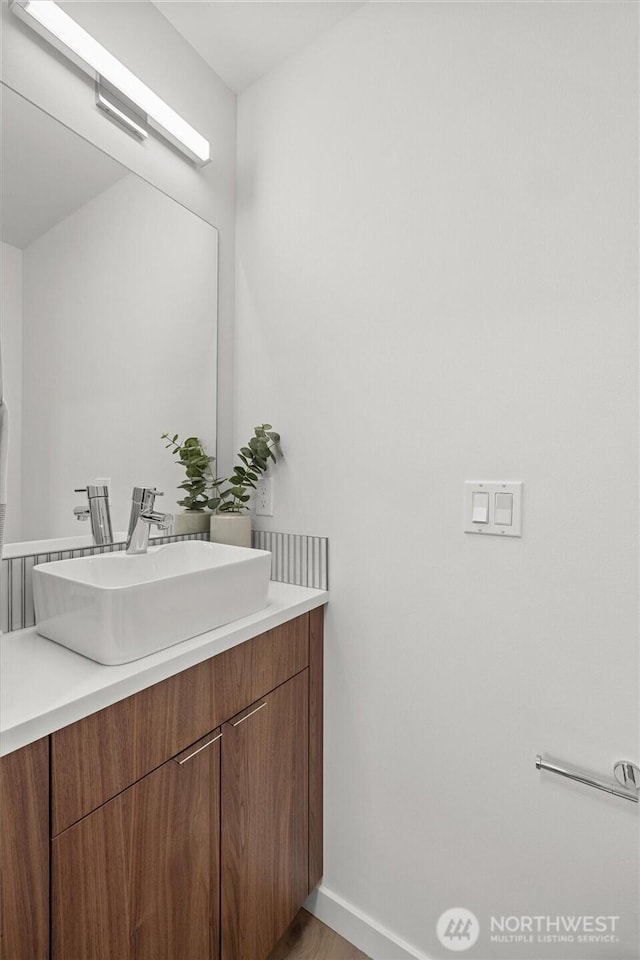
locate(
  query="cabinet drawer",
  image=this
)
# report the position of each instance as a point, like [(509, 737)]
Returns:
[(97, 757)]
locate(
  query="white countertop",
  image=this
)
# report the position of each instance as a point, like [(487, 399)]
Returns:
[(44, 687)]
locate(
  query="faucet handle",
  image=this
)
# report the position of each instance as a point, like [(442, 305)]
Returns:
[(140, 493), (94, 490), (143, 500)]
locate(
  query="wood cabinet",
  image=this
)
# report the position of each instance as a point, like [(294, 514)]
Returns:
[(265, 820), (185, 821), (99, 756), (138, 879), (24, 853)]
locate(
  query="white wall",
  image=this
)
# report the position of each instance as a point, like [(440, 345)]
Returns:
[(137, 33), (437, 250), (11, 346), (119, 347)]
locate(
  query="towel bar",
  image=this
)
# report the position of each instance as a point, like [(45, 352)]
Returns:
[(627, 775)]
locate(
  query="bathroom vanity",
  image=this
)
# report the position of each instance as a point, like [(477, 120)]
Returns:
[(181, 821)]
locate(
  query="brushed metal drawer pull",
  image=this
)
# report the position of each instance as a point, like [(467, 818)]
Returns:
[(246, 717), (196, 752)]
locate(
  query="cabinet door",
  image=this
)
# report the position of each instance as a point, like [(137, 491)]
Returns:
[(24, 853), (138, 879), (265, 819)]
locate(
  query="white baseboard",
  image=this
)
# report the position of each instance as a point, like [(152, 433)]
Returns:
[(359, 929)]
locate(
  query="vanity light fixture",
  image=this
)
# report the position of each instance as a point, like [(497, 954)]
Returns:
[(124, 112), (67, 36)]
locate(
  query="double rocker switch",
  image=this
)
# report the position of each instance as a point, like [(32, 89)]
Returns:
[(493, 507), (502, 508)]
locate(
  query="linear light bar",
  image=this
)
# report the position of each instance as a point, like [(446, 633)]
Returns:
[(51, 22)]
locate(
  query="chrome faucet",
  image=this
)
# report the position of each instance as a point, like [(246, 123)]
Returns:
[(97, 511), (143, 517)]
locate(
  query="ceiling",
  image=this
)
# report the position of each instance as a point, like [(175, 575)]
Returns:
[(42, 187), (243, 39)]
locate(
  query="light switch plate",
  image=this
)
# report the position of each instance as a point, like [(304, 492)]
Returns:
[(493, 487)]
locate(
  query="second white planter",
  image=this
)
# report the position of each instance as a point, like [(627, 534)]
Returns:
[(233, 528)]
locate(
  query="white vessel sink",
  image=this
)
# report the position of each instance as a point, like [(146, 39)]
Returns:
[(115, 608)]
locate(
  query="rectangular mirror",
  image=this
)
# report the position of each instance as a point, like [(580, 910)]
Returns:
[(109, 326)]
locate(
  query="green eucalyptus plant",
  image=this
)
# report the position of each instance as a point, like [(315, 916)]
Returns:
[(197, 467), (254, 460)]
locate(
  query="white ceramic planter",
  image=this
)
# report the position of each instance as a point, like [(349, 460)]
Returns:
[(232, 528), (191, 521)]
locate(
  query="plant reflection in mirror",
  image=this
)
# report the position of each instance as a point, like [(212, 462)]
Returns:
[(197, 466)]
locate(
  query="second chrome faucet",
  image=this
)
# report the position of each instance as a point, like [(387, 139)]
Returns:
[(143, 517)]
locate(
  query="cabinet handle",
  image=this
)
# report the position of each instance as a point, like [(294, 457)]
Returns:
[(247, 715), (195, 752)]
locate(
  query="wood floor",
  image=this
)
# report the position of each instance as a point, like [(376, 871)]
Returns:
[(309, 939)]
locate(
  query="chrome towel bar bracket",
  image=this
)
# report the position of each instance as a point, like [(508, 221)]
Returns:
[(626, 785)]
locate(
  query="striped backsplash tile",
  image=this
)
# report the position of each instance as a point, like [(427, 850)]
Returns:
[(296, 559)]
